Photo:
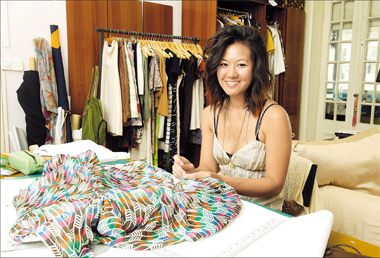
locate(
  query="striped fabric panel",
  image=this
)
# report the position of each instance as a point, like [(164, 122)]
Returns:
[(77, 203)]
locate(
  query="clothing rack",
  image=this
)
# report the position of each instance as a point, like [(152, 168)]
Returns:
[(133, 33), (235, 11)]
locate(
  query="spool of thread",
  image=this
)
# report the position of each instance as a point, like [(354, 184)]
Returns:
[(77, 135), (75, 122), (32, 63), (33, 147)]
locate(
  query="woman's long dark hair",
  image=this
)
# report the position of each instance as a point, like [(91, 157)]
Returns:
[(214, 49)]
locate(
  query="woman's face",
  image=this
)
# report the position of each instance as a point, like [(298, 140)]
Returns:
[(235, 69)]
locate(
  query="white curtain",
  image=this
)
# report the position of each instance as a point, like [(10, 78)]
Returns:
[(4, 140)]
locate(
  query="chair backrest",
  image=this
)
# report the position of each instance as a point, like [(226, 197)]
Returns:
[(299, 184)]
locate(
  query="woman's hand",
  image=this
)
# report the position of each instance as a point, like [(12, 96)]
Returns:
[(182, 166), (201, 174)]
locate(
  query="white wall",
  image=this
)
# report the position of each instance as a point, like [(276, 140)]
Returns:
[(26, 21), (314, 11)]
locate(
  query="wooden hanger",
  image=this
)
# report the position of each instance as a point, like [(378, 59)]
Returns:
[(145, 44), (192, 49), (182, 50), (157, 48), (199, 49), (175, 50), (164, 45)]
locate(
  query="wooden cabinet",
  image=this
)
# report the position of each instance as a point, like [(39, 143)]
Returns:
[(83, 42), (83, 46), (199, 20), (158, 18)]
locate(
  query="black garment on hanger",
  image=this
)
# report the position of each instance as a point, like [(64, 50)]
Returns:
[(28, 95), (173, 70), (185, 99)]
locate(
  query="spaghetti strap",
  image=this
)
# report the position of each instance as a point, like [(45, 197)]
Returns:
[(216, 121), (260, 119)]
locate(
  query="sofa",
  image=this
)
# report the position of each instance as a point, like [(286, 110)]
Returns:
[(348, 176)]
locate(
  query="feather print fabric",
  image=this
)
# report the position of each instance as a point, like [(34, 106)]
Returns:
[(77, 203)]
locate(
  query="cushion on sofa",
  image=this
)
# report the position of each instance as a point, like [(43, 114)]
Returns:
[(356, 214), (352, 163)]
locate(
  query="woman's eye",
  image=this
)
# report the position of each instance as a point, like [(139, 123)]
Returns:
[(223, 64), (242, 65)]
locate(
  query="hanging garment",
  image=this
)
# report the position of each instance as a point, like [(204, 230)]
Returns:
[(276, 59), (77, 203), (175, 126), (61, 82), (197, 101), (136, 119), (28, 95), (110, 91), (173, 71), (48, 84), (140, 72), (143, 151), (282, 45), (123, 82), (185, 98), (162, 92), (140, 151), (269, 42), (155, 83), (146, 98), (161, 102), (94, 127)]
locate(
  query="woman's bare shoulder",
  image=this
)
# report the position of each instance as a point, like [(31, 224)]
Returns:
[(207, 115), (275, 111)]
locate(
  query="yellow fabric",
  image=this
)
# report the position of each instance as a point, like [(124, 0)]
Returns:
[(270, 44), (298, 172), (356, 214), (161, 95), (55, 42), (352, 163)]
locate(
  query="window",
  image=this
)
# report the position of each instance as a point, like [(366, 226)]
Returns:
[(370, 89), (353, 62)]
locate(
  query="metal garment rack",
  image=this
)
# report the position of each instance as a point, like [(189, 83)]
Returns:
[(133, 33)]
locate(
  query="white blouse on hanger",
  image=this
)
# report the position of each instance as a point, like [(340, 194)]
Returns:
[(276, 59), (110, 91)]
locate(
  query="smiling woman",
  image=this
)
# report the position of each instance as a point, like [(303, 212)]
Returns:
[(235, 70), (249, 145)]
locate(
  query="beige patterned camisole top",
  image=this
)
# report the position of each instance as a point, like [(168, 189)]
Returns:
[(248, 162)]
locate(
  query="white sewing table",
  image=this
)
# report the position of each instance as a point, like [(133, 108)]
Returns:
[(304, 236)]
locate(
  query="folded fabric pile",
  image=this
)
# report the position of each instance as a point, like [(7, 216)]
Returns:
[(77, 203)]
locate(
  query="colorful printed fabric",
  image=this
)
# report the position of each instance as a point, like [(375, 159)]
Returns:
[(77, 203), (49, 92)]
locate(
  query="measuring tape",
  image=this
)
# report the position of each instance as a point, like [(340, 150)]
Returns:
[(252, 237), (165, 252)]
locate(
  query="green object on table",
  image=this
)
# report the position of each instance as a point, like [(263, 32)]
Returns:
[(26, 162)]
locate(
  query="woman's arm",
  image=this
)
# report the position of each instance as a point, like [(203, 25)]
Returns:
[(207, 160), (183, 166), (275, 132)]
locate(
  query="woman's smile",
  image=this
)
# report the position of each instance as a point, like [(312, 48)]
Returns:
[(235, 69)]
